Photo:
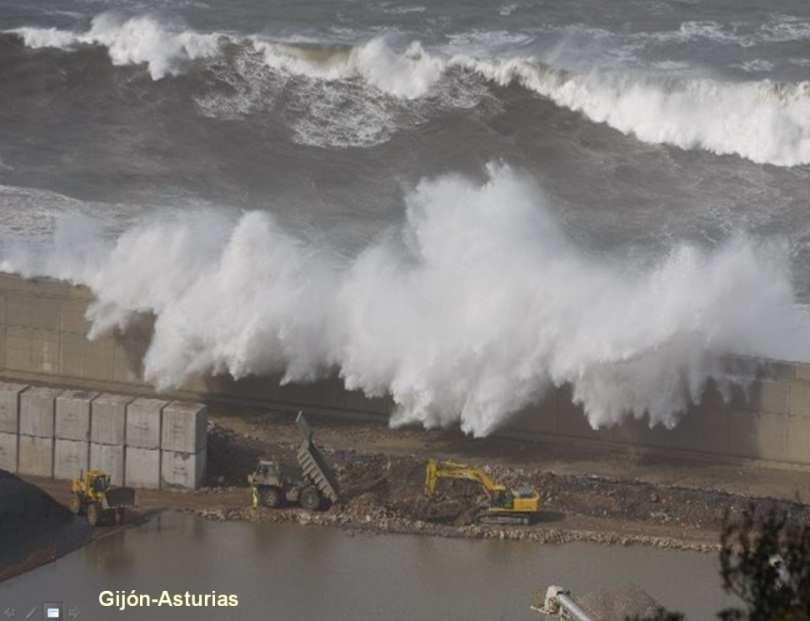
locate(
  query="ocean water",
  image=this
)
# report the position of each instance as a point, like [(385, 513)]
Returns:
[(459, 204)]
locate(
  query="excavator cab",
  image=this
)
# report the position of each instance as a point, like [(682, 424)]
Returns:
[(98, 482), (502, 498)]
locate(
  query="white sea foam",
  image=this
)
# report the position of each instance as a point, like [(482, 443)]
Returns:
[(408, 74), (763, 121), (757, 65), (131, 41), (467, 312)]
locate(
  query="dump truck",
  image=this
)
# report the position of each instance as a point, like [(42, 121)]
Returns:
[(313, 488), (504, 506), (93, 495)]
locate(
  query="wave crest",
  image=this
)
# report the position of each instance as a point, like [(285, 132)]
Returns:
[(131, 42), (762, 121)]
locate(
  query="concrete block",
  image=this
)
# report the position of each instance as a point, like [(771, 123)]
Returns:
[(802, 371), (73, 317), (98, 361), (70, 458), (10, 407), (300, 394), (110, 459), (37, 410), (8, 452), (742, 440), (703, 427), (143, 423), (142, 467), (45, 351), (33, 312), (769, 397), (73, 415), (124, 369), (36, 456), (776, 370), (108, 420), (185, 427), (629, 431), (185, 470), (537, 418), (799, 439), (800, 399), (759, 436)]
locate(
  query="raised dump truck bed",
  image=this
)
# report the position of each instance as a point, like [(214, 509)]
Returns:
[(313, 463)]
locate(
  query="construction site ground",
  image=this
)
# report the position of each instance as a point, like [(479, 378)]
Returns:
[(607, 495)]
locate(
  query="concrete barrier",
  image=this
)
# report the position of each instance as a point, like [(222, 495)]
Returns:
[(142, 467), (73, 415), (42, 339), (143, 423), (110, 459), (8, 451), (108, 420), (70, 458), (35, 456), (184, 427), (10, 407), (183, 470), (37, 411)]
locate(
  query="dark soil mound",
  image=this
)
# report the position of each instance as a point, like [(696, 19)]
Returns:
[(34, 529)]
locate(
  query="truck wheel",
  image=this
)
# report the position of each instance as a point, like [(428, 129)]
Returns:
[(75, 505), (93, 513), (310, 498), (271, 497)]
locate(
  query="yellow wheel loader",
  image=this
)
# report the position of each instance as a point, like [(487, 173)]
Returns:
[(505, 506), (93, 495)]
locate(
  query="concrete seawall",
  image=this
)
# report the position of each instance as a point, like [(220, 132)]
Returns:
[(42, 328)]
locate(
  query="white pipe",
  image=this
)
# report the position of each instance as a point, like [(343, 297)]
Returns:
[(571, 607), (558, 602)]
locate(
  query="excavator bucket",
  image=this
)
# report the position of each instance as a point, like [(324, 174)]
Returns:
[(313, 463)]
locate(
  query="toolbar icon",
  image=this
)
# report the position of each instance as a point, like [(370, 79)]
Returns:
[(52, 611)]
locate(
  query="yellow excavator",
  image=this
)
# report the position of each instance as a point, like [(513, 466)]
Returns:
[(93, 495), (506, 506)]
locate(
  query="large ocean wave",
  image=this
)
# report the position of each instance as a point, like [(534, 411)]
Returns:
[(763, 121), (467, 311)]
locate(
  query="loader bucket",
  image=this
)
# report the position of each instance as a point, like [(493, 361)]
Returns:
[(120, 497)]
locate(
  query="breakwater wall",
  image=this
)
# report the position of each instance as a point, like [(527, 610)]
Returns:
[(42, 328)]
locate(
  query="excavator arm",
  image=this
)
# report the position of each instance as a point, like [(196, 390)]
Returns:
[(436, 470)]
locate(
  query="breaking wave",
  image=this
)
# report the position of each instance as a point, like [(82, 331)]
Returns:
[(132, 41), (468, 311), (763, 121)]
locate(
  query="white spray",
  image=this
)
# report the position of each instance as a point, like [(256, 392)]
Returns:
[(467, 312)]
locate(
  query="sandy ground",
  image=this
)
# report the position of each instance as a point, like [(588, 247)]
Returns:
[(609, 496)]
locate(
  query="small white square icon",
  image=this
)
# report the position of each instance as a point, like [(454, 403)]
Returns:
[(53, 611)]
